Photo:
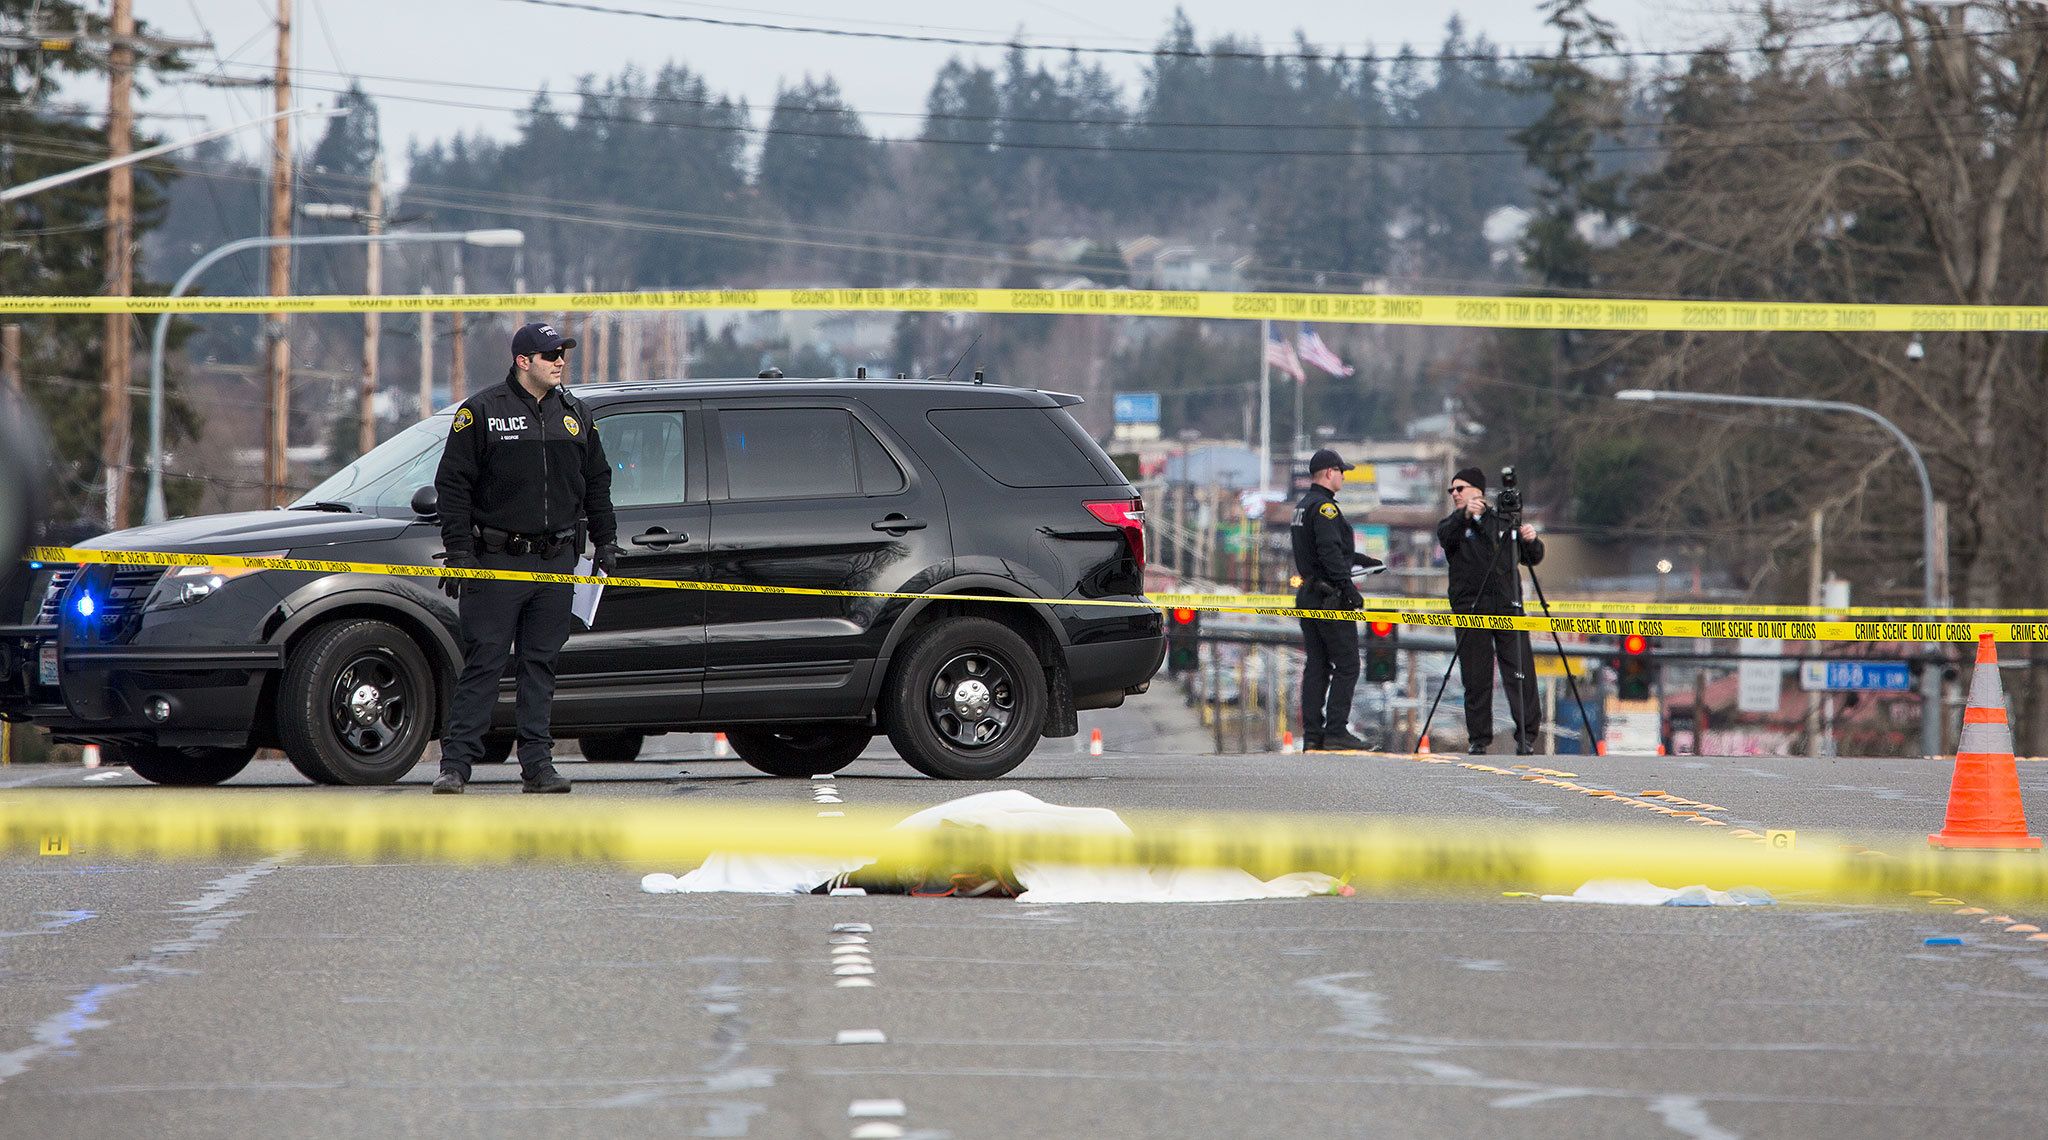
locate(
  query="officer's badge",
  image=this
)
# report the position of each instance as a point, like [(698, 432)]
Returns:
[(570, 423), (1328, 510), (464, 418)]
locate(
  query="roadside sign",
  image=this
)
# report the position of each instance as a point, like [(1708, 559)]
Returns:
[(1855, 676), (1759, 683), (1634, 728), (1137, 407)]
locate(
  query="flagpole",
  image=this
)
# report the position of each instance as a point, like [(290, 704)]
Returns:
[(1265, 408)]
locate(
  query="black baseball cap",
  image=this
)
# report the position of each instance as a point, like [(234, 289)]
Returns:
[(1324, 460), (539, 336)]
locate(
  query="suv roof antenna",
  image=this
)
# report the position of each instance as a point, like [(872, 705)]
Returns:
[(963, 356)]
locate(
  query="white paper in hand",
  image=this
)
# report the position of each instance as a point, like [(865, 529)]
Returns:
[(585, 604)]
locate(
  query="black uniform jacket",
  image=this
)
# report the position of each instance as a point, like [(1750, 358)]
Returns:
[(523, 465), (1469, 546), (1325, 550)]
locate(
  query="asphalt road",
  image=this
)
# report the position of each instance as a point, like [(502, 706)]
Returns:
[(281, 997)]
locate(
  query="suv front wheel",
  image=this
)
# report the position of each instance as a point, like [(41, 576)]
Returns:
[(356, 705), (966, 700)]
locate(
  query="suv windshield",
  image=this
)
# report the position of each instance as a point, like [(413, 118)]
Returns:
[(360, 483)]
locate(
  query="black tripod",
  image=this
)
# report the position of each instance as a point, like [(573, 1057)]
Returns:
[(1528, 666)]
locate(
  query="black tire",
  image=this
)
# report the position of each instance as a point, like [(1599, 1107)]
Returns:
[(965, 700), (356, 705), (497, 748), (797, 751), (181, 767), (612, 747)]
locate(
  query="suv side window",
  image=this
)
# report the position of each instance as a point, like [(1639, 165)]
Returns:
[(1019, 447), (646, 450), (397, 494), (803, 453)]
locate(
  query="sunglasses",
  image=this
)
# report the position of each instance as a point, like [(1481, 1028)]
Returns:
[(553, 354), (1457, 487)]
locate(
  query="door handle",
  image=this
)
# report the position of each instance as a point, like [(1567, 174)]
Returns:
[(897, 524), (658, 538)]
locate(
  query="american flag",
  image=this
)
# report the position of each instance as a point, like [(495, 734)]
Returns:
[(1317, 353), (1280, 355)]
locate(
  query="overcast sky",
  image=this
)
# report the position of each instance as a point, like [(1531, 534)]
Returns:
[(440, 43)]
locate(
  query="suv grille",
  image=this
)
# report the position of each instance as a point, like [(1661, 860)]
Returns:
[(59, 582), (131, 588)]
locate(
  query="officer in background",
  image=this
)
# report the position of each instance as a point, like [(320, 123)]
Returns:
[(522, 477), (1325, 551), (1479, 548)]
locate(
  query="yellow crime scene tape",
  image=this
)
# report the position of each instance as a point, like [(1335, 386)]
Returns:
[(1605, 314), (1790, 630), (1384, 855), (1667, 609)]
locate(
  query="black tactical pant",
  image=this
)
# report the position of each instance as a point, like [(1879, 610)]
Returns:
[(1329, 677), (496, 616), (1478, 649)]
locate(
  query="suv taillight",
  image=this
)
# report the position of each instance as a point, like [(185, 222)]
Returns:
[(1127, 515)]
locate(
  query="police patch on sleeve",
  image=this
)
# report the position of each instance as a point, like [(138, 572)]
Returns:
[(464, 418), (1328, 510), (570, 423)]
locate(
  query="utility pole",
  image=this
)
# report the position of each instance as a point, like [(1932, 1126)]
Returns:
[(458, 359), (601, 349), (10, 358), (1813, 598), (426, 360), (116, 358), (276, 466), (373, 284)]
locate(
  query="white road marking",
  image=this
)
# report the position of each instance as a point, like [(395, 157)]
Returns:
[(861, 1037), (876, 1108)]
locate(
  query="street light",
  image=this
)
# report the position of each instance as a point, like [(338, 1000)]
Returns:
[(1930, 678), (154, 510), (73, 175)]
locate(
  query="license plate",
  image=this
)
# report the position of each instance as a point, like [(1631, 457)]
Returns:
[(46, 670)]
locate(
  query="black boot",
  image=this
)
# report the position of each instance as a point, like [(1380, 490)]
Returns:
[(546, 781)]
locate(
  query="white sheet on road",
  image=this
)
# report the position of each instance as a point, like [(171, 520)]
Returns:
[(1641, 892), (1042, 882)]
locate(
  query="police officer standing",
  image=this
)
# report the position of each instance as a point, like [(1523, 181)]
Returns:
[(1325, 551), (1479, 547), (522, 477)]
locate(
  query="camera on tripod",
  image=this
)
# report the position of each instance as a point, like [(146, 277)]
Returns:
[(1509, 507)]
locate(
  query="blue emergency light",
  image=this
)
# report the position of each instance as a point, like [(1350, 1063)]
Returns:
[(86, 605)]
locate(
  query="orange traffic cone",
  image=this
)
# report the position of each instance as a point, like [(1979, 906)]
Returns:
[(1984, 808), (1094, 742), (720, 747), (1286, 742), (1422, 746)]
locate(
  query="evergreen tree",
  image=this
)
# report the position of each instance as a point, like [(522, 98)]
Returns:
[(817, 158)]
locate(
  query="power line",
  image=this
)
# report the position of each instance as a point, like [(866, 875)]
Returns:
[(1161, 50), (1131, 121)]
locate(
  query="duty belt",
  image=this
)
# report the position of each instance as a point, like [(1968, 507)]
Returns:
[(510, 542)]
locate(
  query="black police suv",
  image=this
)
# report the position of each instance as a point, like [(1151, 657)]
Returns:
[(945, 487)]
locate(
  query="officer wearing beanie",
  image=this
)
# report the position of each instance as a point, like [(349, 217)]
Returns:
[(1325, 553), (1479, 547), (522, 480)]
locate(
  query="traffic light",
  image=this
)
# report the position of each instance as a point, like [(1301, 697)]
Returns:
[(1183, 641), (1634, 672), (1382, 645)]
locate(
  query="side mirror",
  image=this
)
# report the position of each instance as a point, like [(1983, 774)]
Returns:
[(426, 502)]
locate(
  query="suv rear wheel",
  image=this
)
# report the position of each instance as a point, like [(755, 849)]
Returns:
[(797, 751), (356, 704), (966, 700), (181, 767)]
